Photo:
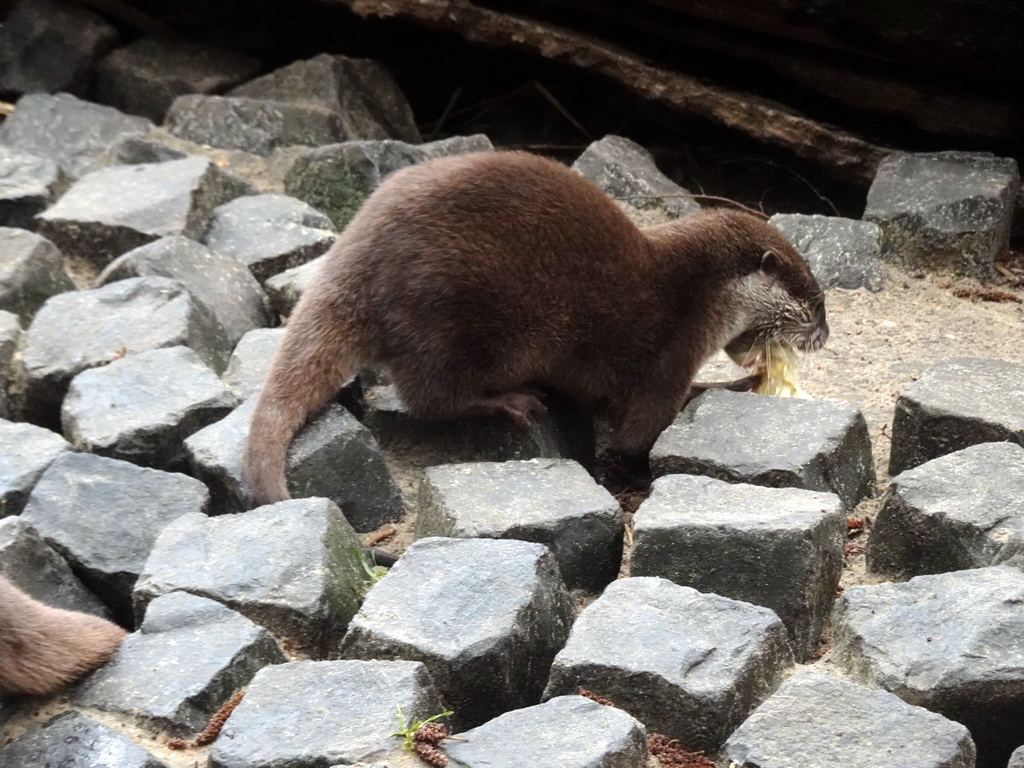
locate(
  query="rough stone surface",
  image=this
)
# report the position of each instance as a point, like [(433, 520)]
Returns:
[(627, 172), (311, 714), (955, 404), (75, 331), (292, 567), (779, 442), (332, 456), (548, 501), (71, 132), (1017, 758), (10, 343), (285, 289), (777, 547), (944, 210), (507, 600), (225, 287), (842, 253), (568, 732), (952, 643), (31, 271), (186, 659), (142, 407), (817, 719), (25, 452), (688, 665), (121, 207), (250, 361), (103, 516), (269, 233), (132, 150), (28, 184), (143, 78), (74, 740)]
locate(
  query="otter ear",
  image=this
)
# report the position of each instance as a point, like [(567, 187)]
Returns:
[(770, 262)]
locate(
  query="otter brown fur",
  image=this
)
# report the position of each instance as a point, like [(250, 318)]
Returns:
[(476, 278), (43, 648)]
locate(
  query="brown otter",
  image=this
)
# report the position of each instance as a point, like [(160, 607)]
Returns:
[(476, 278), (43, 648)]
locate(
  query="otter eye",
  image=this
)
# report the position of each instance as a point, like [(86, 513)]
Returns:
[(770, 261)]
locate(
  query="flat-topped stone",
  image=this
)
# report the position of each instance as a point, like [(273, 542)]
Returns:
[(954, 404), (842, 253), (74, 740), (28, 184), (250, 361), (25, 452), (31, 271)]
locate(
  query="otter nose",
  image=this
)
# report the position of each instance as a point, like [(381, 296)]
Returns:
[(819, 336)]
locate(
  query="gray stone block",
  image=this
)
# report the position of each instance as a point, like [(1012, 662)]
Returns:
[(627, 172), (250, 361), (187, 658), (361, 91), (31, 271), (507, 601), (269, 233), (10, 342), (285, 289), (333, 456), (143, 78), (1017, 758), (567, 731), (25, 452), (74, 740), (311, 714), (103, 516), (842, 253), (955, 404), (688, 665), (778, 442), (84, 329), (817, 719), (548, 501), (944, 210), (133, 150), (142, 407), (952, 643), (777, 547), (71, 132), (115, 209), (218, 281), (293, 567), (28, 184)]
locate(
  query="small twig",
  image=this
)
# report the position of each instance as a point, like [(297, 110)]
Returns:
[(379, 536), (550, 97), (695, 196), (439, 123), (790, 171), (6, 108)]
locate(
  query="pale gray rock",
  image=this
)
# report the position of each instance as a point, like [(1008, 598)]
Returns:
[(28, 184), (10, 341), (31, 271), (250, 361), (74, 740), (842, 253), (286, 288), (1017, 758), (25, 452)]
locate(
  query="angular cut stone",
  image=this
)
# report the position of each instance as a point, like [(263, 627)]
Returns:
[(25, 452), (508, 601), (285, 289), (954, 404), (688, 665), (31, 271), (293, 567), (74, 740), (28, 184), (777, 547), (186, 659), (842, 253), (10, 343), (548, 501), (778, 442), (103, 516), (817, 719), (347, 712), (132, 150), (251, 360)]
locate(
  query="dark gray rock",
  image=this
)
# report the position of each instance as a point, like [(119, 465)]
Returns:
[(10, 342), (627, 172), (817, 719), (218, 281), (31, 271), (688, 665), (568, 732), (75, 331), (143, 78), (51, 46), (25, 452), (285, 289), (103, 516), (333, 456), (121, 207), (31, 564), (269, 233), (311, 714), (548, 501), (777, 547), (133, 150), (361, 91), (71, 132), (28, 184), (74, 740), (507, 601), (142, 407), (188, 657), (964, 510), (842, 253), (251, 360), (955, 404), (944, 210), (774, 441), (293, 567), (952, 643)]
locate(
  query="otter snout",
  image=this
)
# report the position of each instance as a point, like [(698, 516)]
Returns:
[(816, 339)]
